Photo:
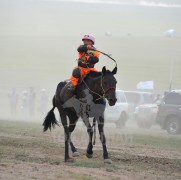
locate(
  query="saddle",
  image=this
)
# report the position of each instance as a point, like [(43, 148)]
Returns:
[(92, 75)]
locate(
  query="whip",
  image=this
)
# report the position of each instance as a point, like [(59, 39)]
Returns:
[(107, 56)]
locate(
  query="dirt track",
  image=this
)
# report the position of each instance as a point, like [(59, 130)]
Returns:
[(27, 153)]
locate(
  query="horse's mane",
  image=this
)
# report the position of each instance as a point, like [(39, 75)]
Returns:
[(95, 74)]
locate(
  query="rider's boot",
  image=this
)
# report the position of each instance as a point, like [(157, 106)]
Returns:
[(73, 84)]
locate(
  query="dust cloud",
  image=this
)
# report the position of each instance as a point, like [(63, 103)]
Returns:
[(39, 40)]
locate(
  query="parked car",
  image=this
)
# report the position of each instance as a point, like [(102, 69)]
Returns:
[(118, 113), (145, 115), (169, 112), (136, 98)]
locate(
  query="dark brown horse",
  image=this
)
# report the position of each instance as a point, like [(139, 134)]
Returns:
[(97, 85)]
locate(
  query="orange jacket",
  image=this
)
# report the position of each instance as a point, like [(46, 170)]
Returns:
[(87, 58)]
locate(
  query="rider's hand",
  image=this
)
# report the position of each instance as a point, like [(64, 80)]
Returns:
[(89, 47)]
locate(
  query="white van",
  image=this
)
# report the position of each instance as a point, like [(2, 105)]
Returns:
[(136, 98), (118, 113)]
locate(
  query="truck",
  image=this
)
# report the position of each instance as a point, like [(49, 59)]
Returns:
[(169, 112)]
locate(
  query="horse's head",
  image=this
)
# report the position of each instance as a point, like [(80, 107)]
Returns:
[(109, 85)]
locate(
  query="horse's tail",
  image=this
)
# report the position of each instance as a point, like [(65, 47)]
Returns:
[(50, 120)]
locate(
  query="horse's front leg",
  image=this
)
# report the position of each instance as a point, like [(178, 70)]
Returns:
[(89, 151), (103, 140)]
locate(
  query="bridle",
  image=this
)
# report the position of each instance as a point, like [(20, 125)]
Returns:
[(104, 91), (108, 89)]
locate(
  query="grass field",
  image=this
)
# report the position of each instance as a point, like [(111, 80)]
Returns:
[(28, 153)]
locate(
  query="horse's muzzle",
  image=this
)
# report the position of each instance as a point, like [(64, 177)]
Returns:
[(112, 102)]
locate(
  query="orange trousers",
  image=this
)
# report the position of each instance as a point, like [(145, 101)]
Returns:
[(78, 72)]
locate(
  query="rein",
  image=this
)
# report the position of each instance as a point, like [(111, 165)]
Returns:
[(104, 91), (100, 97), (108, 89)]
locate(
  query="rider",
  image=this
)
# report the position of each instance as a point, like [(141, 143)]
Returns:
[(88, 57)]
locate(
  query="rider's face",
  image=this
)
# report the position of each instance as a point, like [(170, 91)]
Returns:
[(87, 42)]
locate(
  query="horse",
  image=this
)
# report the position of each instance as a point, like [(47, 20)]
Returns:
[(101, 86)]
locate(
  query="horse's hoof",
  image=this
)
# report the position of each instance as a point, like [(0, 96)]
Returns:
[(108, 161), (69, 160), (89, 155), (75, 154)]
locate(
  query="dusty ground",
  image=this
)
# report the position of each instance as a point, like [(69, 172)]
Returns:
[(27, 153)]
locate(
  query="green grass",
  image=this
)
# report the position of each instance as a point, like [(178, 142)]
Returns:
[(170, 142), (20, 127), (17, 146)]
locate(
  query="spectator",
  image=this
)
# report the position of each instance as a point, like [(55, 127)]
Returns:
[(31, 102), (24, 104), (13, 102), (43, 101)]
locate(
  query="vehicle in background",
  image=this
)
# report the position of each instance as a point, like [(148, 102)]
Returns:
[(169, 112), (136, 98), (118, 113), (145, 115)]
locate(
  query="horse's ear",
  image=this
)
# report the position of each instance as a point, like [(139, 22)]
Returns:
[(104, 70), (114, 70)]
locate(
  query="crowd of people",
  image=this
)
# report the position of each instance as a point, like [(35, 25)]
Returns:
[(28, 103)]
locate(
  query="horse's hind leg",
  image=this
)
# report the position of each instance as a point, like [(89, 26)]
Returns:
[(74, 150), (72, 125), (67, 136)]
